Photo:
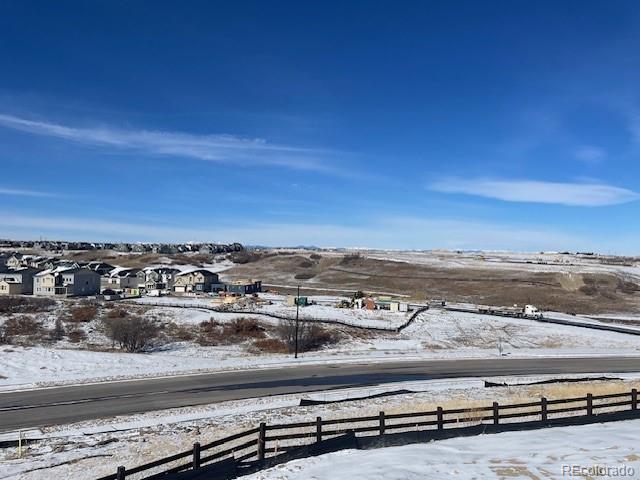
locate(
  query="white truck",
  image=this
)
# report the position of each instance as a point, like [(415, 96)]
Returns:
[(528, 311)]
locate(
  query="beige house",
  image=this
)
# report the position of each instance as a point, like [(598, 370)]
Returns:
[(66, 282), (196, 281), (9, 287), (18, 282)]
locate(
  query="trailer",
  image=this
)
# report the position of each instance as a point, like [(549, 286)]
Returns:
[(527, 311)]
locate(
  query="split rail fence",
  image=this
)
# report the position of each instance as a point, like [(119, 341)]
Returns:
[(250, 448)]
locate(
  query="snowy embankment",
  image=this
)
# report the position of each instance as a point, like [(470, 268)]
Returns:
[(546, 453), (433, 335), (267, 312)]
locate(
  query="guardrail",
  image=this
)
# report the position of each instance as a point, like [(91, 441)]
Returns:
[(250, 448)]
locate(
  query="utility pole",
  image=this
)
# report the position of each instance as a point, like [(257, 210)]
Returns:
[(297, 319)]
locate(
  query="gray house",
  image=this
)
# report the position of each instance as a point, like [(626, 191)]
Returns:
[(67, 282), (18, 281), (243, 287)]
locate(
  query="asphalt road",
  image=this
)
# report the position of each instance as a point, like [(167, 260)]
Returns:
[(52, 406)]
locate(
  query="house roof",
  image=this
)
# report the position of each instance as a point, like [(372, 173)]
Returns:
[(63, 269), (203, 271)]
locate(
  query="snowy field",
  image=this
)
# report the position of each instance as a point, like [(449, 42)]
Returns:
[(94, 448), (433, 335), (534, 455), (534, 262)]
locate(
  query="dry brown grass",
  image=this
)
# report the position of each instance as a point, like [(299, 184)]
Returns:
[(269, 345), (601, 293), (82, 314)]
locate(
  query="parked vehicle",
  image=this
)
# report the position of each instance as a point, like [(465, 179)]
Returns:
[(527, 311)]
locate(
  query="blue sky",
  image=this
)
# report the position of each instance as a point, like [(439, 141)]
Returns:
[(488, 125)]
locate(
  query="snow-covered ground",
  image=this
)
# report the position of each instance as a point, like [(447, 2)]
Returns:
[(547, 453), (94, 448), (434, 334), (534, 262)]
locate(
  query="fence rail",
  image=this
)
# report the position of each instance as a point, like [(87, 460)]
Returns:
[(258, 443), (207, 306)]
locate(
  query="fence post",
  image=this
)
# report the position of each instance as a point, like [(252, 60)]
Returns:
[(543, 407), (634, 399), (440, 419), (381, 423), (589, 404), (120, 473), (496, 413), (318, 429), (262, 440), (196, 455)]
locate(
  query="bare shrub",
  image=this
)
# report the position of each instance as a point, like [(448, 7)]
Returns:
[(269, 345), (22, 325), (133, 334), (83, 313), (11, 304), (58, 330), (243, 328), (310, 336), (589, 289), (76, 335), (350, 259), (304, 275), (315, 256), (239, 330), (210, 334), (182, 333), (117, 313)]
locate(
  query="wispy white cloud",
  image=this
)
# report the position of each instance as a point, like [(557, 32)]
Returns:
[(590, 154), (572, 194), (214, 148), (385, 232), (26, 193)]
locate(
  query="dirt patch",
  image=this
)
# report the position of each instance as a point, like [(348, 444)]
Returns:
[(571, 282)]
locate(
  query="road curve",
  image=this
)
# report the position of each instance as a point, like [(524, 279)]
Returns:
[(54, 406)]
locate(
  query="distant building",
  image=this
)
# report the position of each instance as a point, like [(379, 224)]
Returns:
[(67, 282), (120, 279), (243, 287), (159, 278), (101, 268), (17, 281), (197, 281)]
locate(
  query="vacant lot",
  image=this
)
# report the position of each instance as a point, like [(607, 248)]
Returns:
[(576, 292)]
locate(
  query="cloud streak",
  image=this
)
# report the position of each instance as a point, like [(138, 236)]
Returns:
[(213, 148), (531, 191), (25, 193)]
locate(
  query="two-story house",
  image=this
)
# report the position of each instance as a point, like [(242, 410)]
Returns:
[(66, 282), (121, 279), (196, 281), (17, 281)]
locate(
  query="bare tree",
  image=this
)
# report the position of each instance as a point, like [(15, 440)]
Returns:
[(310, 336), (58, 330), (133, 334)]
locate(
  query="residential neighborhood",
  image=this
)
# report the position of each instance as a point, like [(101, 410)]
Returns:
[(24, 274)]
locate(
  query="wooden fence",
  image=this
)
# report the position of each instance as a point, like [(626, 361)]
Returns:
[(255, 445), (248, 312)]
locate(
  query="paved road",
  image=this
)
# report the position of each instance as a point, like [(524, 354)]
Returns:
[(84, 402)]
